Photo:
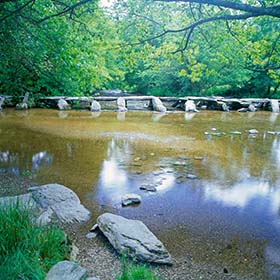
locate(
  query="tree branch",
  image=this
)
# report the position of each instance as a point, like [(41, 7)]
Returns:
[(268, 11), (16, 10), (65, 10)]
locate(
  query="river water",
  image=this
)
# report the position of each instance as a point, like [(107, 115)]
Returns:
[(218, 187)]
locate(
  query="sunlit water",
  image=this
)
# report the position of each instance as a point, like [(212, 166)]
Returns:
[(228, 215)]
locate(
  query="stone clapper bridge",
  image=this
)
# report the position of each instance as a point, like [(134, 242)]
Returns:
[(161, 104)]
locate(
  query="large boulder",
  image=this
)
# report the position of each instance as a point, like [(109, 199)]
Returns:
[(55, 199), (63, 105), (95, 106), (66, 270), (132, 237), (157, 105)]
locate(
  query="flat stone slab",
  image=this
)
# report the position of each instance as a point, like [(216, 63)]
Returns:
[(62, 201), (132, 237), (67, 270)]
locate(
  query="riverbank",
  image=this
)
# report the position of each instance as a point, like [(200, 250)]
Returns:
[(101, 260)]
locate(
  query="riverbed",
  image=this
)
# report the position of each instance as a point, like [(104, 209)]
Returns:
[(217, 184)]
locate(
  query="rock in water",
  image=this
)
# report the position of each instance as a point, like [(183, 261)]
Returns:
[(63, 105), (121, 104), (66, 270), (157, 105), (2, 99), (190, 106), (252, 108), (253, 131), (61, 201), (274, 105), (131, 198), (134, 238), (95, 106)]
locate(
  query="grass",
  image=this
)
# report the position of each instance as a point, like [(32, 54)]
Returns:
[(132, 271), (28, 250)]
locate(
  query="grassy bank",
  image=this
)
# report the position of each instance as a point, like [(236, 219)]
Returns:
[(28, 250)]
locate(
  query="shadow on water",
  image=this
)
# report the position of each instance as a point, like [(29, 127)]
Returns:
[(216, 194)]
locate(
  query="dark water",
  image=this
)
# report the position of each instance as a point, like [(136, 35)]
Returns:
[(229, 215)]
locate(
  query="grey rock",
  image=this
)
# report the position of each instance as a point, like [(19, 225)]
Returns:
[(93, 278), (190, 106), (91, 235), (21, 106), (191, 176), (64, 203), (121, 103), (252, 108), (26, 97), (253, 131), (94, 228), (224, 107), (243, 110), (131, 198), (95, 106), (66, 270), (157, 105), (2, 99), (63, 105), (148, 188), (134, 238), (274, 105)]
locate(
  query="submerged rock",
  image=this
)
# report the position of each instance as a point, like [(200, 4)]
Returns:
[(67, 270), (131, 198), (132, 237), (60, 201)]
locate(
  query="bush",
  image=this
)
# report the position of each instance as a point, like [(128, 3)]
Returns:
[(28, 250), (131, 271)]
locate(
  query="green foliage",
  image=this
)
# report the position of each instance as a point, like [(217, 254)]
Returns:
[(95, 49), (27, 250), (131, 271)]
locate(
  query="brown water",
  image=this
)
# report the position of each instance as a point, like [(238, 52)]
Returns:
[(228, 216)]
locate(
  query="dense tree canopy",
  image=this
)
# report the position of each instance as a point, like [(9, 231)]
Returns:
[(167, 47)]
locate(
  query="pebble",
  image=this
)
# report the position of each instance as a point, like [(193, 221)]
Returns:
[(236, 132), (191, 176), (91, 235)]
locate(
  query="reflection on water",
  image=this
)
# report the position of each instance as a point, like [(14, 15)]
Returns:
[(212, 186)]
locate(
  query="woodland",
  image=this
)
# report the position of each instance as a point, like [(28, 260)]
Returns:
[(150, 47)]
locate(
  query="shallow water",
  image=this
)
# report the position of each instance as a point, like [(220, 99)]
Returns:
[(228, 215)]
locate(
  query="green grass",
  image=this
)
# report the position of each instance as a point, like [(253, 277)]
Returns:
[(28, 250), (132, 271)]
